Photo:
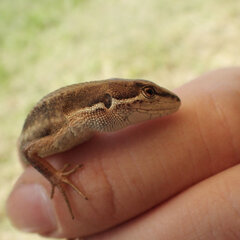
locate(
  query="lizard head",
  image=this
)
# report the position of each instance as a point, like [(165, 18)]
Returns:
[(139, 100)]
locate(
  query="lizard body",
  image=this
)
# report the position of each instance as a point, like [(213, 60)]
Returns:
[(72, 114)]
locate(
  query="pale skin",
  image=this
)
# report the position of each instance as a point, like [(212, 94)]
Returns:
[(129, 172)]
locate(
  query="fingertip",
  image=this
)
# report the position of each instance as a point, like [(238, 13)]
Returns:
[(31, 210)]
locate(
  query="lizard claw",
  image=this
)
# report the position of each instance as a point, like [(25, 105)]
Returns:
[(52, 191)]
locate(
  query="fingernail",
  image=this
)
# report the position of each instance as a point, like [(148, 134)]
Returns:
[(31, 210)]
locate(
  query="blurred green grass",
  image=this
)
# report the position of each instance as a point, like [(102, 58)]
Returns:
[(51, 43)]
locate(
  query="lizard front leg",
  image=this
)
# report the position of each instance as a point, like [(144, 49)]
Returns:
[(57, 178)]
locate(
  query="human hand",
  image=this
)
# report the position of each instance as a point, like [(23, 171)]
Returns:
[(173, 178)]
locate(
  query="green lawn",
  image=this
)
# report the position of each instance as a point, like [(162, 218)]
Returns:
[(50, 43)]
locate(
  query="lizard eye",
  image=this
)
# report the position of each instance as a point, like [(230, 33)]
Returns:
[(148, 92)]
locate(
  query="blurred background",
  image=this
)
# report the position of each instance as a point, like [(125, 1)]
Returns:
[(51, 43)]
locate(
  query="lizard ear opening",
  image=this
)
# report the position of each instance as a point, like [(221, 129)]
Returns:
[(107, 100)]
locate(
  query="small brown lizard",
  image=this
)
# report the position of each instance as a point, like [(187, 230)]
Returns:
[(72, 114)]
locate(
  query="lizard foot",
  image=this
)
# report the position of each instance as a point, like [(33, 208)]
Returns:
[(60, 178)]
